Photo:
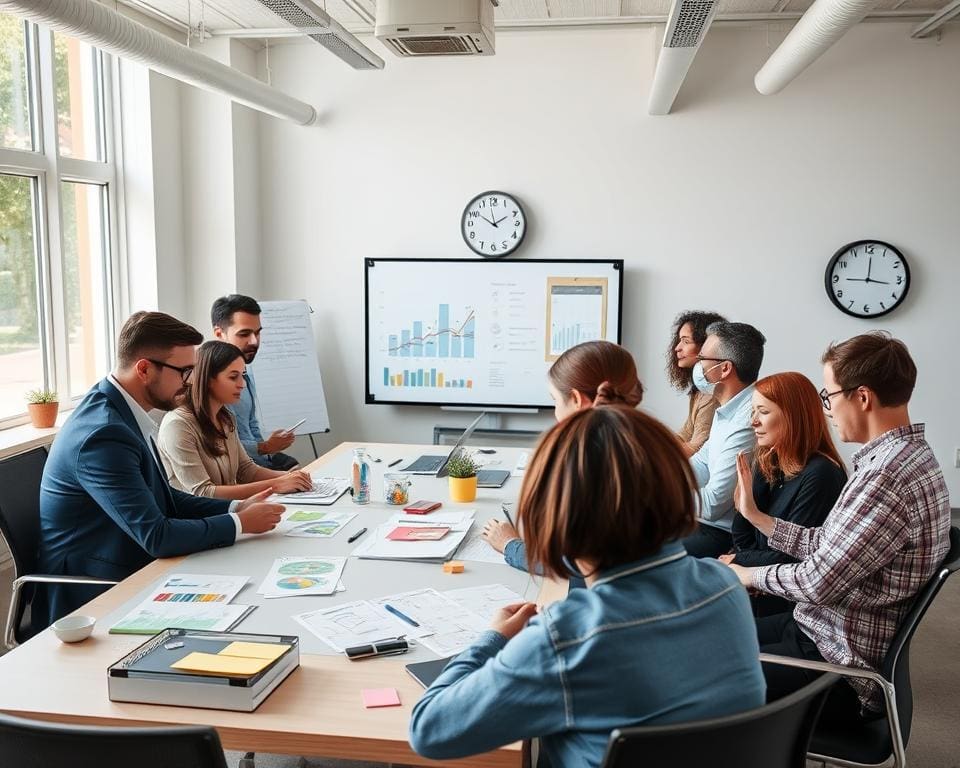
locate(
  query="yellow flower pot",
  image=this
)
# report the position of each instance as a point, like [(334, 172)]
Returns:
[(463, 489)]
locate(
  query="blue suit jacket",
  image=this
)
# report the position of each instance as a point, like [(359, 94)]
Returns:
[(106, 509)]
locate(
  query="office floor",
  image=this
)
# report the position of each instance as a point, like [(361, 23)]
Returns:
[(935, 663)]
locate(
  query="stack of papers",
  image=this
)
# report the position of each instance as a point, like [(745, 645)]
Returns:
[(379, 546), (326, 490), (314, 522), (242, 659), (187, 601)]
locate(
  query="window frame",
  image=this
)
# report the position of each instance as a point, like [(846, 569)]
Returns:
[(48, 169)]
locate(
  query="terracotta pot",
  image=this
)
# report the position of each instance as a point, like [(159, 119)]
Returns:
[(463, 489), (43, 415)]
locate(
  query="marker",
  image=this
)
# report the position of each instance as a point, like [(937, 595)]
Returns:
[(356, 536), (399, 615), (394, 463)]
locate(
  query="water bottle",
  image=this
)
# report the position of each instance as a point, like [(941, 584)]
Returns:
[(361, 476)]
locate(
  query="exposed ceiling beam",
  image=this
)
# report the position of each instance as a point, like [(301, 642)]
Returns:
[(938, 19)]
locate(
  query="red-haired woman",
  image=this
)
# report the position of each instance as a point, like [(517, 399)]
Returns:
[(797, 474)]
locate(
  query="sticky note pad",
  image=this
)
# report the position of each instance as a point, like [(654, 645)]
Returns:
[(453, 566), (380, 697), (218, 664), (268, 651)]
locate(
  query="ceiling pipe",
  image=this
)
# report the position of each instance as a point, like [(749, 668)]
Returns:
[(825, 22), (106, 29)]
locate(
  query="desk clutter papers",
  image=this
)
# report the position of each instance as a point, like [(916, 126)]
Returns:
[(189, 601), (325, 491), (379, 546), (358, 623), (312, 523), (449, 627), (297, 576), (478, 550), (484, 601)]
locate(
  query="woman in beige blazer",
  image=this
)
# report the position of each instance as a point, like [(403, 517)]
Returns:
[(198, 441), (688, 334)]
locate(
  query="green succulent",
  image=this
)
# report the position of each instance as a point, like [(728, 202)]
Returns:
[(42, 396), (461, 464)]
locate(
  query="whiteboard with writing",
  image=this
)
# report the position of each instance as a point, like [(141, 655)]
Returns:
[(286, 371)]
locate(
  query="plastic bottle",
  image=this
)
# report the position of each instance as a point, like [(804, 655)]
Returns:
[(360, 476)]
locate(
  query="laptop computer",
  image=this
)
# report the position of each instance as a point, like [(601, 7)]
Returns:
[(437, 465)]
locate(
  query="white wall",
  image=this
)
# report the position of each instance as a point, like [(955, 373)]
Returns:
[(735, 202)]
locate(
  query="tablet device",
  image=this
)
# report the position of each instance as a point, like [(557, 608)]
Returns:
[(492, 478), (425, 672)]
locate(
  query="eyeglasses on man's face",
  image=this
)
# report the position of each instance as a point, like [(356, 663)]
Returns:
[(185, 371), (825, 396)]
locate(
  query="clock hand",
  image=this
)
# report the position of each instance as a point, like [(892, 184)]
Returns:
[(497, 222), (487, 220), (869, 267), (859, 280)]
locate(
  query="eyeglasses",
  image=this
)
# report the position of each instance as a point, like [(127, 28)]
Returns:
[(825, 396), (701, 359), (184, 372)]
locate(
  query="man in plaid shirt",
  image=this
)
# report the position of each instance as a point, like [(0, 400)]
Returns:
[(882, 541)]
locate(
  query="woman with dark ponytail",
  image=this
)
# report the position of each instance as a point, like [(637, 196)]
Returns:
[(587, 375)]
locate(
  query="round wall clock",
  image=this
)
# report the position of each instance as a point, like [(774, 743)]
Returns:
[(493, 224), (868, 278)]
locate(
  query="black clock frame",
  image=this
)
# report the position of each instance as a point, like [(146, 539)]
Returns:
[(463, 223), (828, 274)]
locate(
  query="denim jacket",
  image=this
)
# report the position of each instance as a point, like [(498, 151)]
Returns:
[(666, 639)]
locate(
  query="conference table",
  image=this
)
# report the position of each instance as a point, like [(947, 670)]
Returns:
[(317, 710)]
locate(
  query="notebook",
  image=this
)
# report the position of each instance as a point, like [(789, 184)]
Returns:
[(425, 672)]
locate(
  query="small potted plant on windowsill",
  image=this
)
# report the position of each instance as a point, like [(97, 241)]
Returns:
[(462, 470), (43, 405)]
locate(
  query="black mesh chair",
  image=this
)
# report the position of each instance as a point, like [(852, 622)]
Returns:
[(20, 477), (32, 744), (874, 743), (775, 735)]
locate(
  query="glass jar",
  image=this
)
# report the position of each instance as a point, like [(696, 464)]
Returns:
[(396, 488), (360, 477)]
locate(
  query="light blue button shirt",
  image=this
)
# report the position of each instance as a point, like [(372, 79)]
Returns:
[(715, 464)]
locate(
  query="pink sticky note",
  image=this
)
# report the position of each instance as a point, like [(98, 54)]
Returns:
[(380, 697)]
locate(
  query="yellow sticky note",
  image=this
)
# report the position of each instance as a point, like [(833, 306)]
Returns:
[(268, 651), (218, 664)]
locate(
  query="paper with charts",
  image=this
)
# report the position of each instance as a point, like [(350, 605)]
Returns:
[(449, 627), (311, 523), (476, 549), (484, 601), (150, 617), (297, 576), (358, 623), (325, 491), (197, 588)]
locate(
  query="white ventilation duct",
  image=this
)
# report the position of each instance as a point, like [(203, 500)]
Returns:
[(106, 29), (686, 28), (825, 22)]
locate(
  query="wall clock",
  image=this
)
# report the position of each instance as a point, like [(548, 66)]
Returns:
[(493, 224), (868, 278)]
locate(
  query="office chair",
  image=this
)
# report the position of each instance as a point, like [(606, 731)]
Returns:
[(20, 477), (874, 743), (775, 735), (34, 744)]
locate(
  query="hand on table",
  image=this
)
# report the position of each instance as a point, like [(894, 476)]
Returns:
[(293, 482), (257, 515), (497, 533)]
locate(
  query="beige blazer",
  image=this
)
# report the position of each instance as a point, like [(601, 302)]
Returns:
[(190, 467), (696, 429)]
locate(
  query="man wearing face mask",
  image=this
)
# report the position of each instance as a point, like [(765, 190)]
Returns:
[(727, 367)]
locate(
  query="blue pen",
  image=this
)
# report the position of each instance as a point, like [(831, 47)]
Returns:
[(400, 615)]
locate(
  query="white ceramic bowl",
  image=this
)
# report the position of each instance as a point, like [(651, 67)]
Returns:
[(73, 629)]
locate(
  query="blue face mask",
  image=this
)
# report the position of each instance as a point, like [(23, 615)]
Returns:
[(700, 378)]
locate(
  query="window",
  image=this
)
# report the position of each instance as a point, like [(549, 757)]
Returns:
[(57, 216)]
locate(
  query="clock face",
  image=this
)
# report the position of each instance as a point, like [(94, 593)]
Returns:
[(493, 224), (868, 278)]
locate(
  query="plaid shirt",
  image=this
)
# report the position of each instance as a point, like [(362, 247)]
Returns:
[(881, 542)]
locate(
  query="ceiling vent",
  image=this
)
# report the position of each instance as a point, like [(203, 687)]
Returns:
[(436, 27), (307, 15), (687, 26)]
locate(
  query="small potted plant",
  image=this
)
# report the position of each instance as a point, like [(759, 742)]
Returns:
[(462, 470), (42, 405)]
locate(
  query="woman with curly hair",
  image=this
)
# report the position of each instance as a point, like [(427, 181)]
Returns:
[(688, 334)]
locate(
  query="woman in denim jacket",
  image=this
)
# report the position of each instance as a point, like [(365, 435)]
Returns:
[(657, 637)]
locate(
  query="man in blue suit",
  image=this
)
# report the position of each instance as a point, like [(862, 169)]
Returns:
[(106, 508)]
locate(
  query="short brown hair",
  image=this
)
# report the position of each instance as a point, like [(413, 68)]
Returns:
[(147, 334), (610, 485), (598, 368), (876, 361)]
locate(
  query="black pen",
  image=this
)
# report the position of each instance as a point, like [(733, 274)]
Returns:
[(356, 536), (503, 508), (394, 463)]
